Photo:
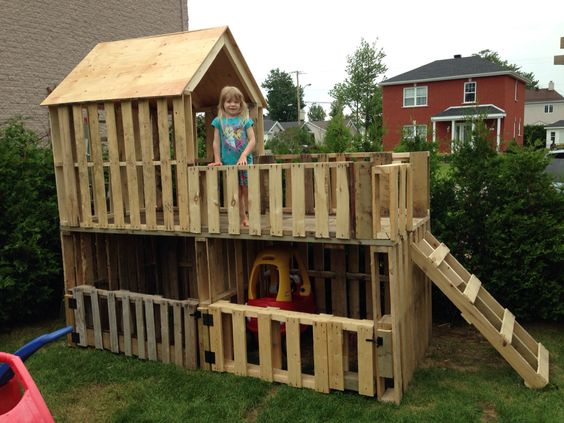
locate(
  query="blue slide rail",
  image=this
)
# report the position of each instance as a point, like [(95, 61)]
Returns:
[(28, 349)]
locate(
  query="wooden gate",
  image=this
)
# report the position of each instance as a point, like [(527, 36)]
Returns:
[(146, 326), (318, 351)]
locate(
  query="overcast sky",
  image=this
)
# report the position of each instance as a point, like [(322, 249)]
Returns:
[(315, 36)]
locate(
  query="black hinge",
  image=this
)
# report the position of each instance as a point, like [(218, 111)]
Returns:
[(207, 319), (379, 341), (197, 314), (209, 357), (72, 303), (75, 337)]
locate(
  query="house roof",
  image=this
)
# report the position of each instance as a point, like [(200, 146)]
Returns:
[(541, 95), (463, 112), (268, 124), (287, 125), (557, 124), (321, 124), (462, 67), (196, 62)]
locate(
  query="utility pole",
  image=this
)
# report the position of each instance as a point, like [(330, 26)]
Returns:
[(297, 72)]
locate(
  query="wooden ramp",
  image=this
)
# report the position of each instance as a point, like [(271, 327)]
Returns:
[(528, 357)]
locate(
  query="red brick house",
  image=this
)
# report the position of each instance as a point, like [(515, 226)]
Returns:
[(437, 100)]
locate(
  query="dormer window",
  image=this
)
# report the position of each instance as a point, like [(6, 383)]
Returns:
[(469, 92)]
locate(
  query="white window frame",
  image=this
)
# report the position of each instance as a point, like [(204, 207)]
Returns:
[(548, 108), (470, 92), (416, 96), (552, 136), (413, 130)]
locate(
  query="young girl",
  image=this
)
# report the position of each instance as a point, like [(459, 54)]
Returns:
[(234, 139)]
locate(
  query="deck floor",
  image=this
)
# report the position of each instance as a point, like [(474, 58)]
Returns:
[(287, 229)]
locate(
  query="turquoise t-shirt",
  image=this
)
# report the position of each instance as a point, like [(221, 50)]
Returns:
[(233, 137)]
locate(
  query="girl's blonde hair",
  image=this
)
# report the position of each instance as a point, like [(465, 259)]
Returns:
[(232, 93)]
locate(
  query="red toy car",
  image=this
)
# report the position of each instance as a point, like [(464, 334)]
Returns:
[(287, 290)]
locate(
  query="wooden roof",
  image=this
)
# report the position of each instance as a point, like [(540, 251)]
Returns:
[(197, 62)]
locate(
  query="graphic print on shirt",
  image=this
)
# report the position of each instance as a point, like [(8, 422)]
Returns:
[(233, 137)]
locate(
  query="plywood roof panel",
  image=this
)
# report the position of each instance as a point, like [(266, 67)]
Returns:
[(144, 67)]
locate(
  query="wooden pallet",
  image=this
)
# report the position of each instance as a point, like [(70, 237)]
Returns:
[(528, 357), (146, 326)]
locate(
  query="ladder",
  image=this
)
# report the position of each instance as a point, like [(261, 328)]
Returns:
[(497, 324)]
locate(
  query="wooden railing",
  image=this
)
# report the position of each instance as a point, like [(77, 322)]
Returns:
[(341, 200)]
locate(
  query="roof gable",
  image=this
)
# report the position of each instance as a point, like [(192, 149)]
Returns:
[(157, 66), (462, 67)]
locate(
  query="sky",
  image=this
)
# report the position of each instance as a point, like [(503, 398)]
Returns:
[(315, 37)]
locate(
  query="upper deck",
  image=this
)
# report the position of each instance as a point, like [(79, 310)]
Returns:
[(128, 168)]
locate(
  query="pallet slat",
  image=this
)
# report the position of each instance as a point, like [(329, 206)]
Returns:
[(439, 254), (472, 288), (275, 205), (321, 204), (507, 326)]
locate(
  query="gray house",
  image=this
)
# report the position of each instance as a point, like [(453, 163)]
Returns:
[(543, 106)]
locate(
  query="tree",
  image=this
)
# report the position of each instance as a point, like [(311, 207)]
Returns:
[(281, 96), (494, 57), (316, 113), (360, 91), (338, 137)]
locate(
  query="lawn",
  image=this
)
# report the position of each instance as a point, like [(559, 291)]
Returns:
[(461, 379)]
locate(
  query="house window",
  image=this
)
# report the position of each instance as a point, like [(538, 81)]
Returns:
[(412, 131), (552, 137), (469, 92), (414, 96), (548, 108)]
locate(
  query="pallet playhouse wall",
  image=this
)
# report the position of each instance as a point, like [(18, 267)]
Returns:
[(155, 261)]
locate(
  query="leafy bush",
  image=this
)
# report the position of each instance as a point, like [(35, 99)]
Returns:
[(501, 217), (30, 271), (292, 141), (535, 136)]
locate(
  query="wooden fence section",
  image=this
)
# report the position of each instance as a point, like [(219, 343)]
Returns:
[(146, 326), (344, 353), (400, 199)]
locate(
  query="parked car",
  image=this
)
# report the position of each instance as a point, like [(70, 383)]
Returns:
[(556, 167)]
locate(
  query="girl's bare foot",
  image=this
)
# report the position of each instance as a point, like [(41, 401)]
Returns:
[(245, 222)]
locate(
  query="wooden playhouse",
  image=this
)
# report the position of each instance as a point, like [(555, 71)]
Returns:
[(156, 264)]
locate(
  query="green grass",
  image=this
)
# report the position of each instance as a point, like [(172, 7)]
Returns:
[(461, 379)]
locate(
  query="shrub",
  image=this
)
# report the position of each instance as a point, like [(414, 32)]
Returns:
[(501, 218), (30, 271), (292, 141)]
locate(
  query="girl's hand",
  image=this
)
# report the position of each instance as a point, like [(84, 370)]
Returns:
[(242, 160), (215, 164)]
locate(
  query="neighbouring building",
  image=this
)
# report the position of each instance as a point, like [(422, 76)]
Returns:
[(555, 134), (271, 128), (543, 106), (42, 41), (438, 100)]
